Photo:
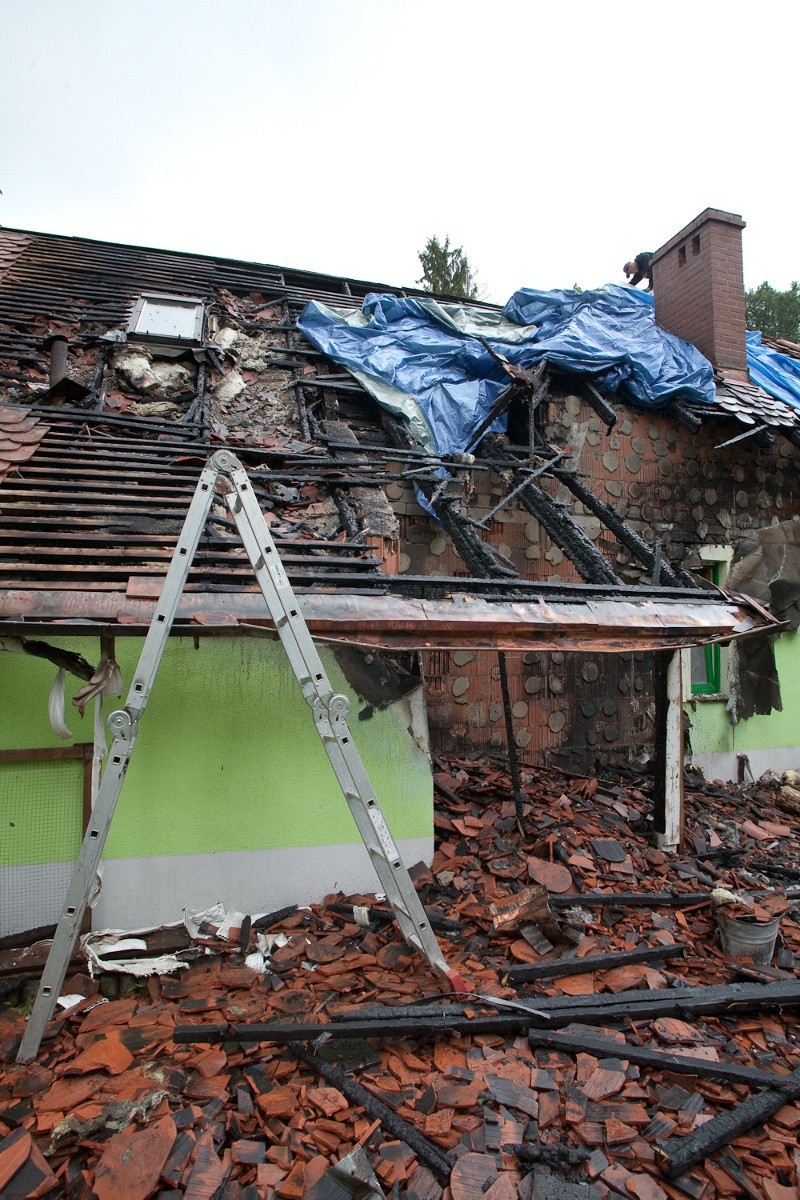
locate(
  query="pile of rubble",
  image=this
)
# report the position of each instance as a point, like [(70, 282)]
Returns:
[(608, 1046)]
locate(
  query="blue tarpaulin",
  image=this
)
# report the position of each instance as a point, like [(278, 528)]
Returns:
[(776, 373), (424, 362)]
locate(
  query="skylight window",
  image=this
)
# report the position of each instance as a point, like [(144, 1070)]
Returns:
[(164, 318)]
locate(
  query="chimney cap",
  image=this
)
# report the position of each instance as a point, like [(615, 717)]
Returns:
[(708, 215)]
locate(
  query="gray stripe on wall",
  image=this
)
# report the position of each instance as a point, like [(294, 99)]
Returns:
[(140, 892), (723, 764), (32, 895)]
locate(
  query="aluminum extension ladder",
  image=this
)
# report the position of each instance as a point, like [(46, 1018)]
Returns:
[(330, 718)]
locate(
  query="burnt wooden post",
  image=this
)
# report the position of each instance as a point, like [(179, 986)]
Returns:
[(513, 761), (668, 790)]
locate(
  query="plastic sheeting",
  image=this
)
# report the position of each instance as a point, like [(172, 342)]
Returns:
[(422, 360), (776, 373)]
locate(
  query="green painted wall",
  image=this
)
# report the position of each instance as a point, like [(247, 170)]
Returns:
[(712, 731), (227, 756)]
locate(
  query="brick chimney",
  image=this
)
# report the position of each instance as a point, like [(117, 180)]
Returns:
[(699, 289)]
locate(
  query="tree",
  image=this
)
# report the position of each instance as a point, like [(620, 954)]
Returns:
[(446, 270), (775, 313)]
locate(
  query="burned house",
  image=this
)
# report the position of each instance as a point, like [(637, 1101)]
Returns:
[(547, 592), (544, 591)]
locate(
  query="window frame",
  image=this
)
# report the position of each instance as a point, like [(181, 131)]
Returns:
[(196, 336), (712, 684)]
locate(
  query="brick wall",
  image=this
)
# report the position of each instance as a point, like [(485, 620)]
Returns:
[(699, 290)]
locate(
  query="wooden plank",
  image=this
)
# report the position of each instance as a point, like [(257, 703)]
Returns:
[(580, 1041), (677, 1155), (48, 753), (550, 1011), (295, 1032), (630, 899), (526, 972), (426, 1151)]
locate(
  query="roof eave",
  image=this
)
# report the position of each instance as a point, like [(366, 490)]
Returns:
[(403, 623)]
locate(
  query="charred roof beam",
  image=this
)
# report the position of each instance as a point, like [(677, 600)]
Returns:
[(761, 435), (560, 526), (601, 406), (684, 415), (480, 558), (546, 468), (623, 532), (562, 529)]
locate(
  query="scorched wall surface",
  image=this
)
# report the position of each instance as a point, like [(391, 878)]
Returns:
[(667, 482)]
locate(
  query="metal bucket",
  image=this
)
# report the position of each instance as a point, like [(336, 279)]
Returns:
[(741, 938)]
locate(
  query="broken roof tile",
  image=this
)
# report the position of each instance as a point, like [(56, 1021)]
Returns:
[(260, 1118)]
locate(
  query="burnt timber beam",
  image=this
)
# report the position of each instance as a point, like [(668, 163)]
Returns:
[(559, 525), (286, 1033), (429, 1154), (638, 1004), (600, 405), (641, 1005), (502, 403), (623, 532), (684, 416), (580, 1041), (753, 432), (347, 517), (65, 660), (477, 555), (384, 916), (97, 389), (677, 1155), (302, 408), (197, 411), (544, 469), (567, 535), (528, 972), (644, 899), (742, 997)]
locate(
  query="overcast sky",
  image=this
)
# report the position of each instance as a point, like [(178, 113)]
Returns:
[(552, 142)]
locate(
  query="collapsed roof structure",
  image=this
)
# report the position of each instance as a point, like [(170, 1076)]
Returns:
[(120, 454)]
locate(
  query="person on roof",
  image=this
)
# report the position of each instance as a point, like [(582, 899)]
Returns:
[(640, 269)]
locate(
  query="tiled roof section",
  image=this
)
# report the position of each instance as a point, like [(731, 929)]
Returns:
[(104, 498), (751, 405), (20, 436), (782, 345), (12, 244), (95, 285)]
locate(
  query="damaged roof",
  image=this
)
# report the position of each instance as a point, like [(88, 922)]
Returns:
[(90, 525), (90, 519)]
